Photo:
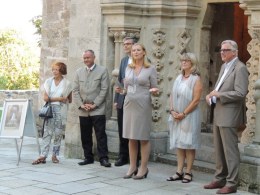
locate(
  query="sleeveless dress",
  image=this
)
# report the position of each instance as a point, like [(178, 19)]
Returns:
[(137, 118), (184, 134)]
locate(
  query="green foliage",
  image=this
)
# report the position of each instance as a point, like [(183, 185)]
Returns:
[(19, 65), (37, 22)]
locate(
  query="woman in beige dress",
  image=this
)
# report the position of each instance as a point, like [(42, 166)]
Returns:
[(140, 81)]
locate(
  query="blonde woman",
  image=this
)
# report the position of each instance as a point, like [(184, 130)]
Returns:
[(184, 120), (140, 81)]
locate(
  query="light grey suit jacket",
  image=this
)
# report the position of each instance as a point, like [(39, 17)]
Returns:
[(230, 107), (91, 88)]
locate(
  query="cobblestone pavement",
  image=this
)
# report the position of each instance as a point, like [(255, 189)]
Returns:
[(68, 177)]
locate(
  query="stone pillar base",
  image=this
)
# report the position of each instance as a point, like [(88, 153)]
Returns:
[(158, 140), (73, 146), (249, 175), (158, 144), (112, 136)]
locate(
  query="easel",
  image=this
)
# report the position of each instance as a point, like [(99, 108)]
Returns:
[(28, 127)]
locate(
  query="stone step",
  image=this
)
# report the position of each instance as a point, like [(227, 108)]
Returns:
[(205, 154), (198, 165), (207, 139)]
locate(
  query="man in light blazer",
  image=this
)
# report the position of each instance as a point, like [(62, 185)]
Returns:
[(91, 85), (229, 113), (123, 156)]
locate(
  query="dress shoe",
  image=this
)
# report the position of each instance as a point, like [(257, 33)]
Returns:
[(214, 185), (121, 162), (227, 190), (142, 176), (131, 174), (86, 162), (105, 163)]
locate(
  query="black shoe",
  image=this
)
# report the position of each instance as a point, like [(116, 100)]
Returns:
[(105, 163), (121, 162), (86, 162)]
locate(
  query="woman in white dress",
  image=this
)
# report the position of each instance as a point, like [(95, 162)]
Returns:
[(184, 120), (58, 91)]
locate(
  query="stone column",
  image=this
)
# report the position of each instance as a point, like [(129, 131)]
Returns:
[(250, 160), (117, 34)]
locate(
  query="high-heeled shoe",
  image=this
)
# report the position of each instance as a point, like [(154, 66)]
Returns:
[(142, 176), (131, 174)]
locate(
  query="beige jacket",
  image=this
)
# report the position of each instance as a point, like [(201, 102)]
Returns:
[(91, 87), (230, 107)]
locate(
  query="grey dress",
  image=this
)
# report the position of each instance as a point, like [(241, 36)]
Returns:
[(137, 119)]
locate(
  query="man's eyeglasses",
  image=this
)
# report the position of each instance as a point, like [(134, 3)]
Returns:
[(128, 43), (225, 50), (185, 60)]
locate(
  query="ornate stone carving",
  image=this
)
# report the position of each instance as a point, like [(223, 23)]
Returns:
[(158, 64), (252, 65), (156, 115), (184, 37), (158, 51), (156, 102), (159, 37), (119, 33)]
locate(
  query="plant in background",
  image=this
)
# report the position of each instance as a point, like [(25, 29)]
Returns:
[(19, 64), (37, 22)]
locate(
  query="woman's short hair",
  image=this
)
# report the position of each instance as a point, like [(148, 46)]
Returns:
[(194, 62), (62, 67), (146, 63)]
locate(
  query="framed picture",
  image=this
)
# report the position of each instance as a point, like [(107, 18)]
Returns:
[(13, 118)]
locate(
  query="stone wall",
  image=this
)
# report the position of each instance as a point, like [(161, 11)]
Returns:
[(166, 28), (33, 96)]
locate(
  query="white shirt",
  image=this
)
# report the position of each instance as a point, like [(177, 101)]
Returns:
[(130, 60)]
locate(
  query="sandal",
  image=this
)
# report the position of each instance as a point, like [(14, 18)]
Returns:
[(176, 177), (187, 180), (40, 160), (54, 159)]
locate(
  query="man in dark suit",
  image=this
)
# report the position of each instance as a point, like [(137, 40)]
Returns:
[(123, 156), (91, 85), (229, 113)]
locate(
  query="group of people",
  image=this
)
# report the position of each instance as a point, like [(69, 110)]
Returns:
[(137, 81)]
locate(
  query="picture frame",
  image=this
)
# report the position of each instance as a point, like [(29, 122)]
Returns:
[(13, 118)]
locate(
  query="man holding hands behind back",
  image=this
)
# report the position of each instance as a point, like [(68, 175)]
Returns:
[(229, 113), (91, 86)]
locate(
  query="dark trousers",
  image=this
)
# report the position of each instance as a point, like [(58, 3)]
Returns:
[(123, 143), (86, 126)]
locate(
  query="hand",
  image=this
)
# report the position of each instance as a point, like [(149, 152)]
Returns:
[(92, 106), (177, 116), (64, 99), (154, 91), (214, 93), (118, 90), (115, 105), (208, 99), (88, 107)]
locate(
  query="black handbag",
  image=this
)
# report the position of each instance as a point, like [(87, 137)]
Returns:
[(46, 111)]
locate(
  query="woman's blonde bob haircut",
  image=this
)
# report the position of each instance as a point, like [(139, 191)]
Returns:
[(146, 63), (194, 63)]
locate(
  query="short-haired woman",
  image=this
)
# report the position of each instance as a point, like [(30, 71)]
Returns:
[(58, 91), (184, 120)]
